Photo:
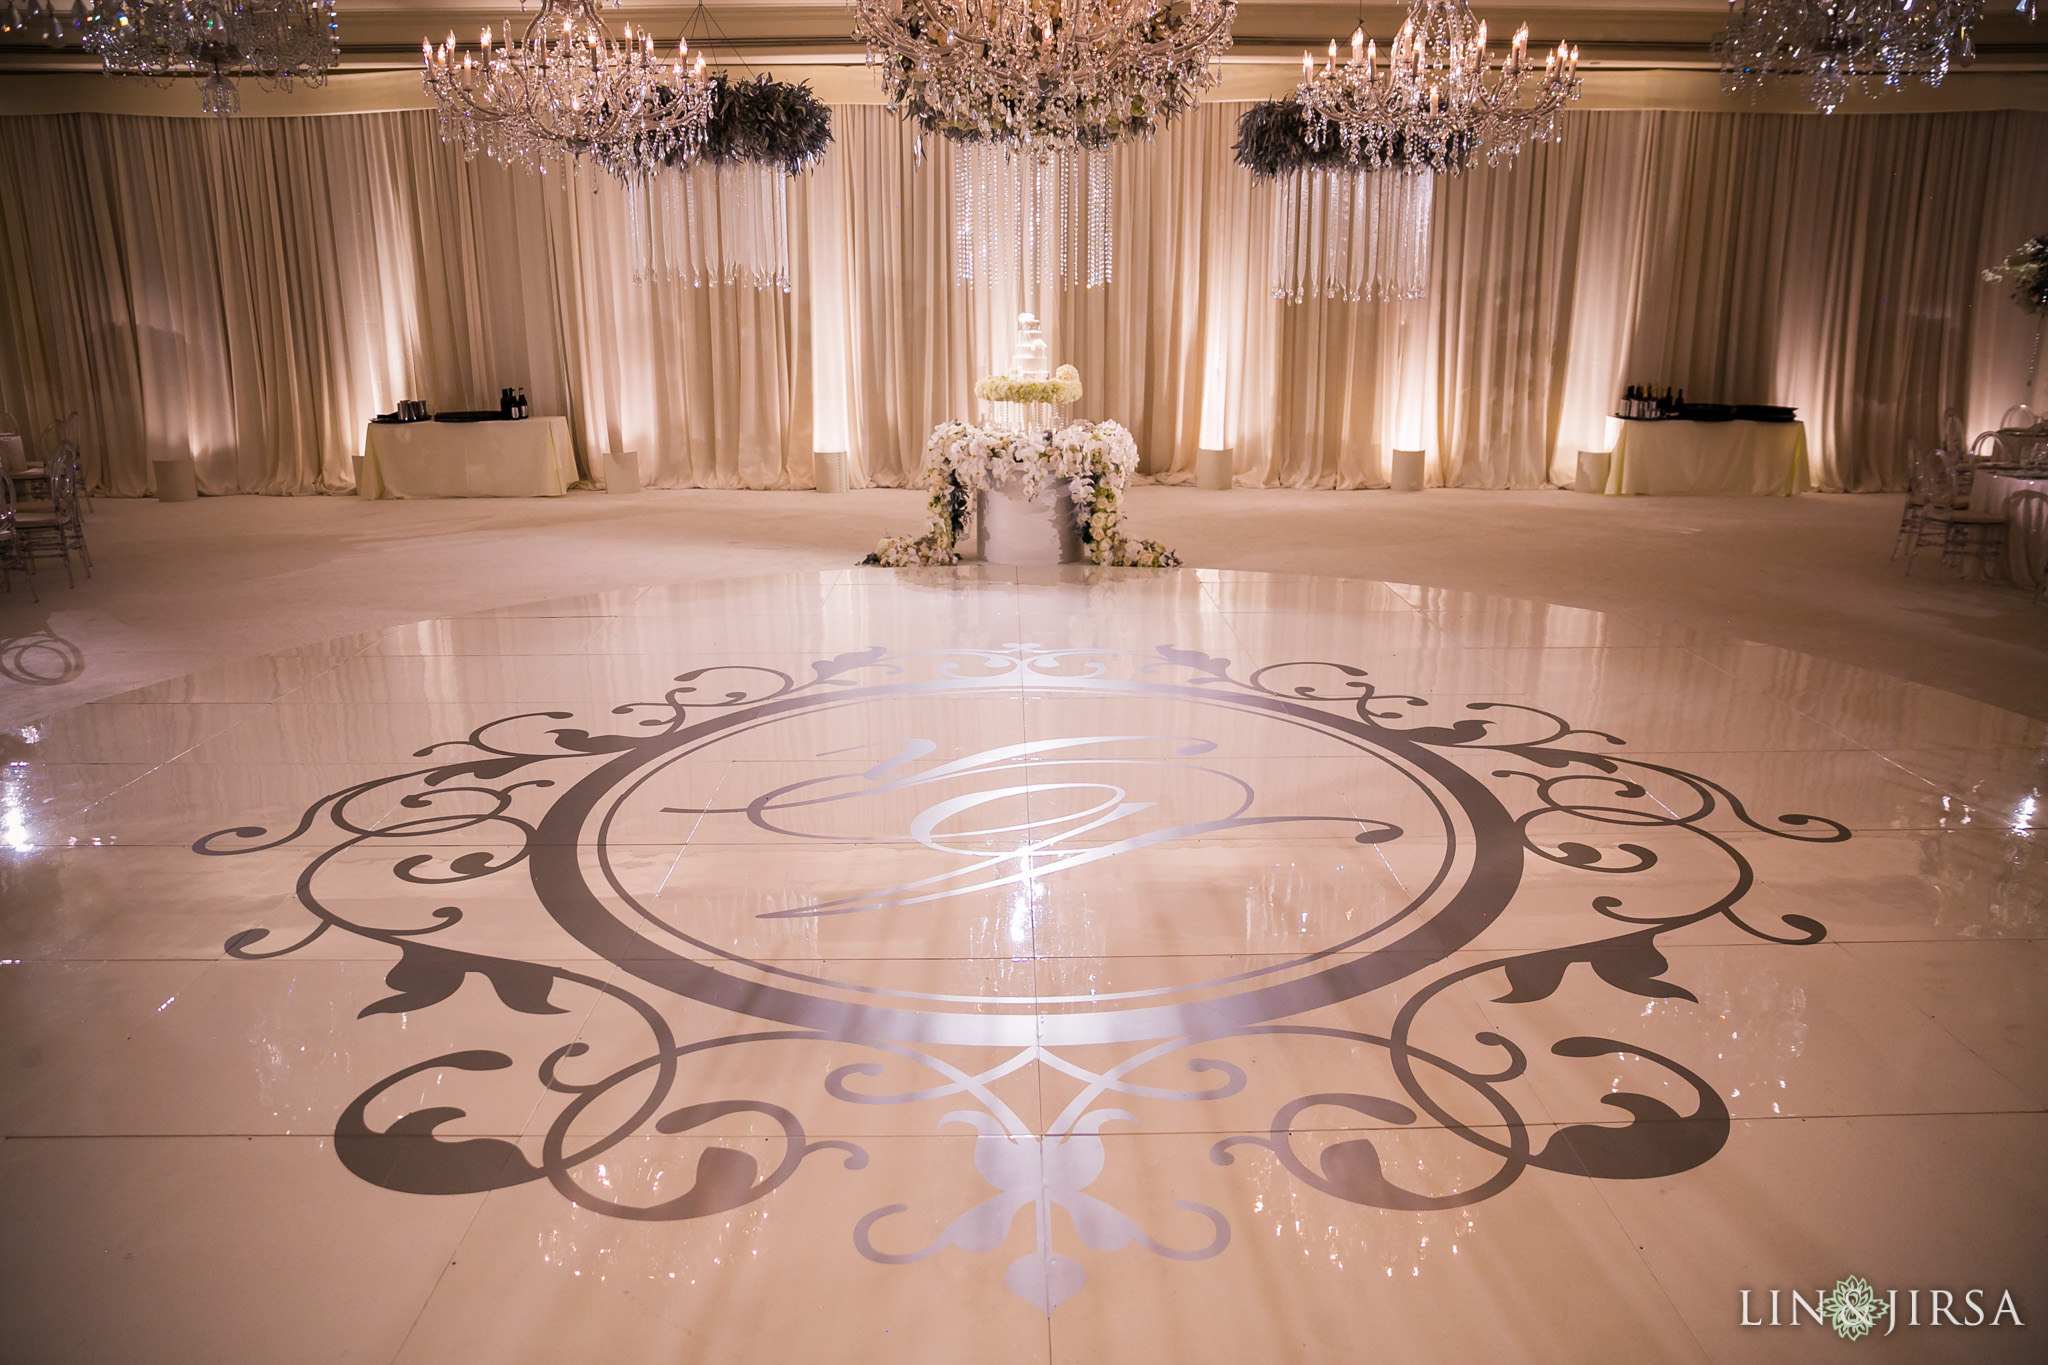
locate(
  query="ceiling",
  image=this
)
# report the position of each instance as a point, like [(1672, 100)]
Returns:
[(1611, 34)]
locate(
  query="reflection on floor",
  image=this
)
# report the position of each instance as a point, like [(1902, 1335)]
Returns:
[(1085, 965)]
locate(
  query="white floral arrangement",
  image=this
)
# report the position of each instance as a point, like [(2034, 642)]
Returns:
[(2027, 271), (1090, 461), (1063, 387)]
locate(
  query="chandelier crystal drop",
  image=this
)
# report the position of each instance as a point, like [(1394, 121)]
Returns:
[(568, 89), (1437, 101), (275, 41), (1843, 47)]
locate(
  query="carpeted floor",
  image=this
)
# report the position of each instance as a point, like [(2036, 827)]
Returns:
[(182, 587)]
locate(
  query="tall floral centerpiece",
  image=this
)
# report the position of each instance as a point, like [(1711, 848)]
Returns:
[(2026, 269)]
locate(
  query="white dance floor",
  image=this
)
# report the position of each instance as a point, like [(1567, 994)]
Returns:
[(1069, 965)]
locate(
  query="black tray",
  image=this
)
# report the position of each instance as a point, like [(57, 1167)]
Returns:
[(1764, 412), (491, 415)]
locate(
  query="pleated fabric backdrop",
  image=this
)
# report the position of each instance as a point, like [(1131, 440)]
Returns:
[(248, 293)]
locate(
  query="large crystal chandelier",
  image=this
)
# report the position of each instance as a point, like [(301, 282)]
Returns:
[(566, 90), (1839, 47), (276, 41), (1348, 151), (1034, 93), (1438, 101)]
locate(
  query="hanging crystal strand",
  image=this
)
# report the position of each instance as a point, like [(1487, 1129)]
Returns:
[(1364, 194), (781, 228), (636, 205), (735, 223), (724, 228), (693, 191), (675, 192), (757, 255), (1102, 201), (963, 222), (1415, 233), (1376, 196), (1340, 234), (1059, 172), (1287, 222), (1319, 230), (1282, 195)]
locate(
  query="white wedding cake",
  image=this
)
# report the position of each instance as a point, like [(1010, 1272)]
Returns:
[(1029, 398)]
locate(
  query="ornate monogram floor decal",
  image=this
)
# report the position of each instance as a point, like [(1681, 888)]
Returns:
[(1112, 771)]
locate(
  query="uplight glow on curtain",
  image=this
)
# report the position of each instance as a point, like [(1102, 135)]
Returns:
[(248, 295)]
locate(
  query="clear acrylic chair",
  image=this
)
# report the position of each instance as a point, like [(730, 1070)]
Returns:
[(1918, 485), (12, 556), (2026, 517), (73, 429), (2018, 417), (1965, 537), (51, 530), (1954, 438)]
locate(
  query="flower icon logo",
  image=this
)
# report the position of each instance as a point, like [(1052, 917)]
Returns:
[(1853, 1308)]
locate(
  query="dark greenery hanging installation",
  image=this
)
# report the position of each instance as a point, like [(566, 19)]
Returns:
[(765, 121), (1273, 138)]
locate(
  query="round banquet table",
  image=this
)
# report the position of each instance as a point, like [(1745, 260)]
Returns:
[(1675, 457), (1991, 493)]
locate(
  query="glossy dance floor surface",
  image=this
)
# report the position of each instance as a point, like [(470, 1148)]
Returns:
[(1085, 966)]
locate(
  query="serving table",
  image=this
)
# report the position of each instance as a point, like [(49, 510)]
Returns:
[(530, 458), (1675, 457)]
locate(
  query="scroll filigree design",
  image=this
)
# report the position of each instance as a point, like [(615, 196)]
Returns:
[(529, 807)]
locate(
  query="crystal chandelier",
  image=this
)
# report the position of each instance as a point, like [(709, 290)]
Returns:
[(1438, 101), (1841, 46), (1034, 93), (568, 90), (276, 41)]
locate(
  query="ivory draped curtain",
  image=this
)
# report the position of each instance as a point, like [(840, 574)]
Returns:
[(248, 293)]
